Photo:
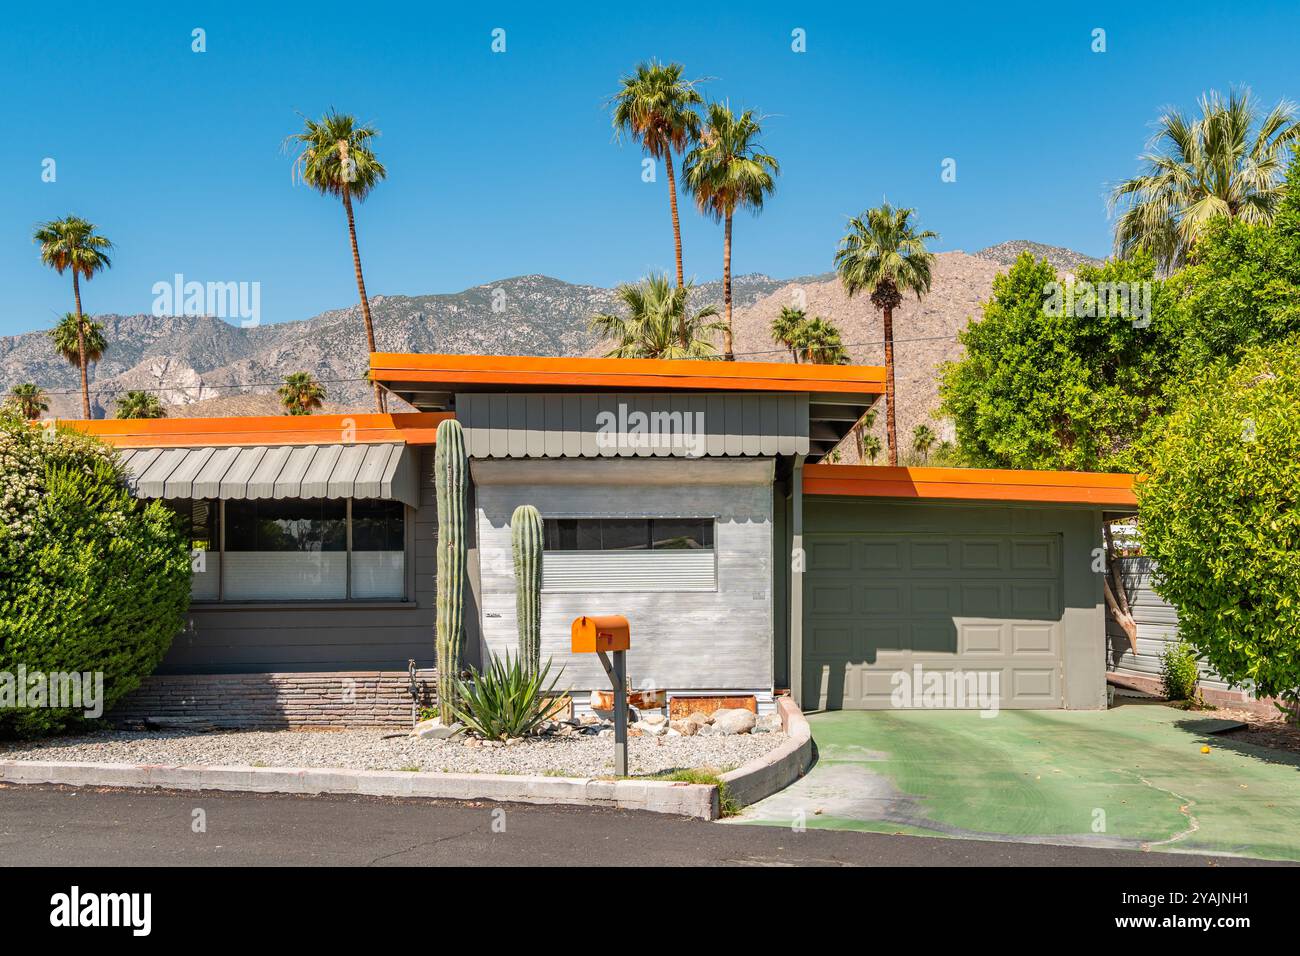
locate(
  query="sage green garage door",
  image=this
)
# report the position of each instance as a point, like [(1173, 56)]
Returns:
[(983, 608)]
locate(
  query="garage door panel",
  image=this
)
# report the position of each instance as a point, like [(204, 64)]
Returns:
[(1034, 639), (983, 639), (968, 607), (980, 555), (835, 555), (982, 600), (1039, 599)]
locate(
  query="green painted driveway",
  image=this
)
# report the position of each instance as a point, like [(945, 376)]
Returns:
[(1132, 776)]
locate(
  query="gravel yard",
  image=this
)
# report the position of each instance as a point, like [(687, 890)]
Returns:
[(579, 756)]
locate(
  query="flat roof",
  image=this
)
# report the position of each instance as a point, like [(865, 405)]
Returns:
[(970, 484), (412, 428), (430, 381)]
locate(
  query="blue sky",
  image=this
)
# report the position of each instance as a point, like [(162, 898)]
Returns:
[(503, 164)]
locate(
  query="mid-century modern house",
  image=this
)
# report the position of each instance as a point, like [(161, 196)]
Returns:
[(692, 497)]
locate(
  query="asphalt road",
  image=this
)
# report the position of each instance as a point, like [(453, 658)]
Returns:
[(42, 826)]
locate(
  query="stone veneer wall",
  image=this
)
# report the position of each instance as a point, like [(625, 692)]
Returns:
[(335, 699)]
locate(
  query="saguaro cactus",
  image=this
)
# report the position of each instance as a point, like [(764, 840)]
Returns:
[(526, 542), (450, 474)]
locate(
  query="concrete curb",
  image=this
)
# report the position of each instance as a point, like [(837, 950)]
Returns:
[(654, 796), (777, 769)]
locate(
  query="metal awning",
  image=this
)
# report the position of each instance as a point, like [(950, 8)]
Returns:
[(387, 470)]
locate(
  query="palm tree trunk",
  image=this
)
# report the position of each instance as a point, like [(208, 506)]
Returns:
[(890, 431), (81, 348), (727, 352), (361, 288), (672, 201)]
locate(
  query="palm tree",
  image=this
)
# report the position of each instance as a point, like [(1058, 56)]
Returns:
[(818, 342), (726, 171), (658, 323), (72, 243), (860, 436), (869, 447), (883, 255), (30, 399), (336, 160), (923, 440), (1201, 167), (654, 107), (140, 405), (301, 394), (786, 326), (81, 341)]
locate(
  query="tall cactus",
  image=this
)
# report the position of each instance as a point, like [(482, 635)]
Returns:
[(450, 474), (526, 542)]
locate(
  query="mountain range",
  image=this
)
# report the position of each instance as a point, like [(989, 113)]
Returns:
[(202, 366)]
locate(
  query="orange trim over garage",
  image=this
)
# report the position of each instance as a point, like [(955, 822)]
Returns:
[(970, 484), (413, 428), (465, 372)]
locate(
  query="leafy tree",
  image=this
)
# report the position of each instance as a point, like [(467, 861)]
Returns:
[(818, 342), (336, 159), (136, 404), (786, 326), (71, 243), (655, 106), (923, 439), (30, 400), (91, 579), (1244, 288), (883, 255), (1221, 518), (726, 171), (1079, 386), (81, 341), (301, 394), (658, 323), (1226, 162)]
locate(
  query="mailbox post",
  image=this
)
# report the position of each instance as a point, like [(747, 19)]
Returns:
[(605, 635)]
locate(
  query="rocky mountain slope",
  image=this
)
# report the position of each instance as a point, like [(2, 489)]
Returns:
[(206, 366)]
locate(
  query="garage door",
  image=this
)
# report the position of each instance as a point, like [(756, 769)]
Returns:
[(885, 613)]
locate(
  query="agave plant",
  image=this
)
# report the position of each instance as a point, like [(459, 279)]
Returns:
[(507, 699)]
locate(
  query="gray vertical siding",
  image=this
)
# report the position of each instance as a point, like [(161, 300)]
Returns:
[(556, 425), (271, 639), (1157, 623)]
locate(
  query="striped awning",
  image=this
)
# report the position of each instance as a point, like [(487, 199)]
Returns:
[(374, 470)]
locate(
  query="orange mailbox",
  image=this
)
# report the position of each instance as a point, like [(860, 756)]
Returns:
[(603, 632)]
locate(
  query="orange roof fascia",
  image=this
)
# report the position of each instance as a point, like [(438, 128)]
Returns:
[(970, 484), (413, 428), (668, 374)]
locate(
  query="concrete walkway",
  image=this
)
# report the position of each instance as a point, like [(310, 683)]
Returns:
[(1131, 777)]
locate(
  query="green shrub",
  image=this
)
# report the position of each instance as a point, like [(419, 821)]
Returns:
[(505, 700), (1220, 514), (1178, 671), (91, 579)]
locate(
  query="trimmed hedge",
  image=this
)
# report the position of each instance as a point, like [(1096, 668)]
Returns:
[(91, 579), (1221, 518)]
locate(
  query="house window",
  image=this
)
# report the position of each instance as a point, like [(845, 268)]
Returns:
[(629, 554), (296, 549), (201, 521), (378, 549)]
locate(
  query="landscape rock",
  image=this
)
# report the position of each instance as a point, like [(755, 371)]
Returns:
[(735, 721), (687, 728), (434, 729)]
